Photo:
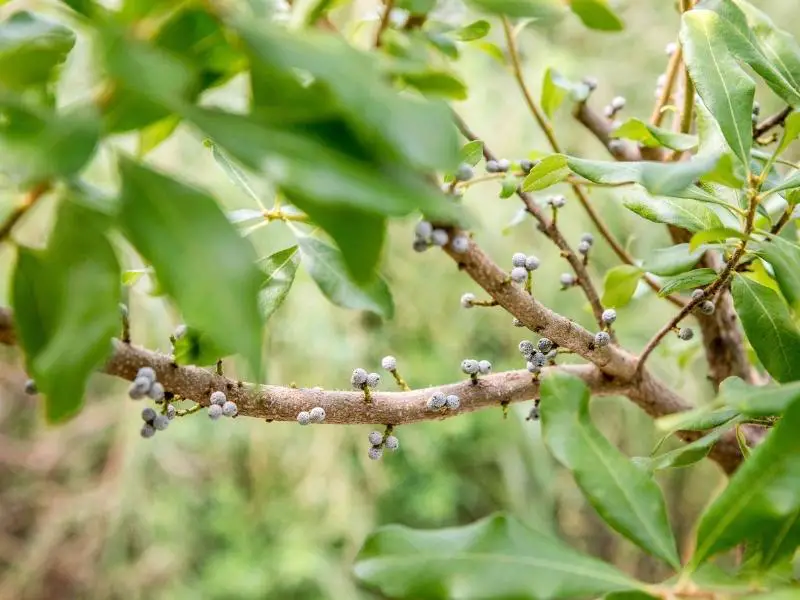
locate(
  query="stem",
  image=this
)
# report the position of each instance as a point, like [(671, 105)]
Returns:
[(384, 24), (28, 201), (277, 215), (688, 85), (771, 121), (666, 93), (400, 381)]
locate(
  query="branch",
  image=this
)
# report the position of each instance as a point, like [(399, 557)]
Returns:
[(666, 93), (771, 122), (384, 23), (601, 128), (31, 198)]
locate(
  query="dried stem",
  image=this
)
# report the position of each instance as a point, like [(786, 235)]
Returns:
[(28, 201)]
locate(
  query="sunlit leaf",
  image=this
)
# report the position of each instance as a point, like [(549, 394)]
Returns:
[(596, 14), (619, 285), (654, 137), (784, 257), (547, 172)]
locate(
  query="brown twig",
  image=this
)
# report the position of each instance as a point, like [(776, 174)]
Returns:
[(28, 201), (384, 23), (771, 121), (601, 128), (666, 93)]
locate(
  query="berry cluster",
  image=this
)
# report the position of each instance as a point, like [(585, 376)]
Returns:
[(145, 384), (440, 401), (315, 415), (426, 235), (537, 356), (153, 422), (473, 367), (361, 380), (221, 406), (603, 338), (379, 441), (706, 307), (521, 266), (587, 240)]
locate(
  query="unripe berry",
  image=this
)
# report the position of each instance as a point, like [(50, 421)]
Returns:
[(423, 229), (567, 280), (545, 345), (609, 316), (601, 338), (214, 412), (526, 165), (147, 431), (584, 248), (531, 263), (697, 294), (139, 387), (161, 422), (147, 372), (437, 400), (460, 244), (467, 300), (484, 367), (557, 201), (304, 417), (707, 307), (148, 414), (517, 323), (492, 166), (358, 379), (464, 172), (171, 412), (389, 363), (30, 387), (218, 398), (373, 380), (229, 409), (375, 453), (439, 237), (519, 274), (588, 238), (317, 414), (503, 165), (526, 347), (685, 333), (469, 366), (453, 402), (391, 443), (156, 392), (618, 103), (375, 438), (518, 260), (420, 245)]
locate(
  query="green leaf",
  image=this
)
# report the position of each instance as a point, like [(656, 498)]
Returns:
[(196, 348), (234, 173), (31, 49), (758, 400), (687, 281), (509, 186), (687, 214), (626, 497), (66, 307), (493, 50), (436, 84), (327, 269), (417, 7), (726, 90), (546, 10), (596, 14), (717, 234), (654, 137), (696, 419), (729, 171), (762, 499), (473, 31), (548, 171), (791, 182), (472, 153), (154, 134), (791, 131), (619, 285), (555, 88), (769, 327), (672, 260), (784, 257), (279, 269), (199, 258), (686, 454), (496, 557)]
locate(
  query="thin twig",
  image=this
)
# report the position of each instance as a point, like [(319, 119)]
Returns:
[(666, 93), (28, 201), (771, 121), (384, 24)]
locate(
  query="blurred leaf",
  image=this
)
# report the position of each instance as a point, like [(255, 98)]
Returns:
[(625, 497), (443, 43), (473, 31), (509, 186), (472, 153), (757, 400), (718, 234), (555, 88), (791, 130), (596, 14), (687, 214), (697, 419), (761, 498), (132, 276), (687, 281), (496, 557), (199, 258), (196, 348), (417, 7), (726, 90), (548, 171), (233, 172), (769, 328), (151, 136), (791, 182), (654, 137), (66, 307), (784, 257), (619, 285), (280, 269), (327, 269), (729, 171), (245, 215), (436, 83), (31, 48), (686, 454), (494, 51), (519, 217), (671, 260), (537, 9)]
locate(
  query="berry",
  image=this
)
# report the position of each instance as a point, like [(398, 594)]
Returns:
[(467, 300), (545, 345), (180, 331), (161, 422), (214, 412), (424, 229), (519, 274), (229, 409), (147, 372), (531, 263), (392, 443), (469, 366), (437, 400), (484, 367), (464, 172), (452, 402), (439, 237), (170, 412), (533, 367), (756, 109), (615, 146), (551, 355), (670, 48), (317, 414), (618, 103), (420, 245), (588, 238), (517, 323), (304, 417), (503, 165), (375, 453), (707, 307), (147, 431), (518, 260), (608, 111), (148, 414), (590, 82), (526, 347), (538, 359), (139, 387), (685, 333), (373, 380), (567, 280), (697, 294), (460, 244), (375, 438), (662, 80), (534, 414), (557, 201), (601, 338), (584, 247), (389, 363), (526, 165), (156, 392), (30, 387), (492, 166), (609, 316), (358, 379), (218, 398)]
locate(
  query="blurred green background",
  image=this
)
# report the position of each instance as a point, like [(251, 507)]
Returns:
[(247, 509)]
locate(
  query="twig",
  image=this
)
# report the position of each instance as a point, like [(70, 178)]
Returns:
[(28, 201), (601, 128), (384, 24), (771, 121), (666, 93)]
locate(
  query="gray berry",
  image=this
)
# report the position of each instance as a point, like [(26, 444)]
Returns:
[(389, 363), (685, 333), (358, 379), (464, 172), (460, 244), (518, 260), (317, 414), (609, 316), (484, 367), (697, 294), (148, 414), (538, 359), (424, 229), (375, 452), (214, 412), (375, 438), (519, 274), (615, 146), (526, 165), (533, 415), (420, 245), (373, 380), (161, 422), (304, 417), (469, 366), (533, 367), (601, 338), (218, 398), (171, 411), (30, 387), (139, 387), (492, 166), (156, 392), (526, 347), (618, 103), (588, 238), (567, 280), (229, 409), (453, 402), (147, 372), (437, 400), (503, 165), (391, 443), (439, 237), (707, 307), (531, 263), (147, 431), (557, 201), (584, 248), (545, 345), (467, 300)]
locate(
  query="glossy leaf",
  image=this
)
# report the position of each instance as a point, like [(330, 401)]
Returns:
[(762, 496), (556, 88), (619, 285), (784, 257), (596, 14), (672, 260), (279, 270), (758, 400), (496, 557), (326, 267), (474, 31), (547, 172), (687, 214), (687, 281), (472, 153), (66, 304), (201, 261), (654, 137), (769, 328), (720, 234), (536, 9), (626, 497)]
